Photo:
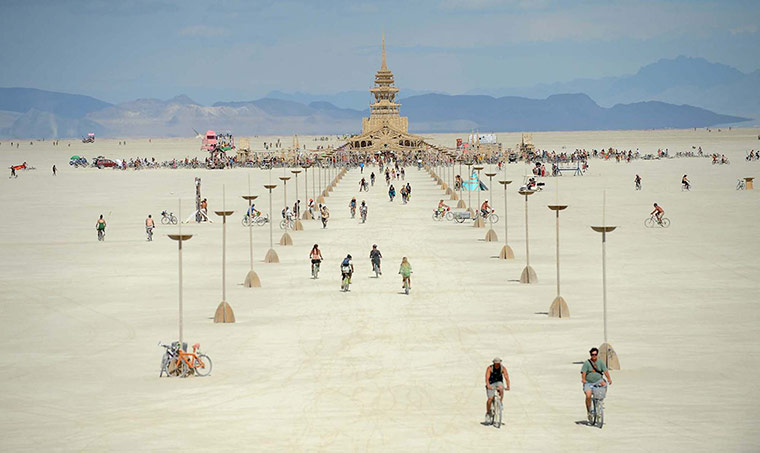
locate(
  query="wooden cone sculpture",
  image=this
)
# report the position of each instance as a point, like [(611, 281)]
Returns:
[(491, 236), (479, 222), (307, 215), (252, 280), (286, 239), (224, 313), (558, 308), (298, 226), (506, 253), (271, 257), (461, 204), (609, 356)]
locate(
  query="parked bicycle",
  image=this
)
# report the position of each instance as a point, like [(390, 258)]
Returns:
[(177, 362), (740, 184), (168, 217), (653, 221)]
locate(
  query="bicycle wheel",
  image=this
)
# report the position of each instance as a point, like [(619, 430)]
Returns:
[(459, 219), (183, 370), (174, 220), (598, 413), (665, 222), (245, 221), (494, 218), (649, 223), (376, 269), (499, 410), (435, 216), (165, 220), (449, 216), (283, 224), (261, 220), (202, 365), (406, 288)]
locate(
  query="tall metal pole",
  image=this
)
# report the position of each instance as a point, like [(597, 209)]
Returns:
[(528, 275), (604, 283)]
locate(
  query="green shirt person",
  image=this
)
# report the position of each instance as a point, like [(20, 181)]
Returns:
[(591, 376), (406, 272)]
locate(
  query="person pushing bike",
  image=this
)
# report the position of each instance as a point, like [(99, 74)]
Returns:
[(497, 379)]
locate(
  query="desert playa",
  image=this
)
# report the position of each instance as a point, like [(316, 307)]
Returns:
[(307, 367)]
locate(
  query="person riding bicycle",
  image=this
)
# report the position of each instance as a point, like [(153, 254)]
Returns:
[(685, 183), (391, 192), (362, 185), (658, 212), (149, 225), (485, 209), (101, 226), (252, 211), (405, 270), (408, 191), (637, 181), (315, 255), (363, 209), (497, 379), (346, 268), (311, 206), (591, 376), (352, 205), (442, 207), (375, 256)]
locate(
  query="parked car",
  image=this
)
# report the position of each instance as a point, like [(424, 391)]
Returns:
[(102, 162)]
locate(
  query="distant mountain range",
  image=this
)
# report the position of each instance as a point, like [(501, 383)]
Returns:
[(682, 80), (32, 113)]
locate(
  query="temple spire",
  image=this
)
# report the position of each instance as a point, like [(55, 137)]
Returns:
[(383, 65)]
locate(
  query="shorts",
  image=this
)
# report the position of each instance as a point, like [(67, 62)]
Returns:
[(491, 392), (588, 386), (316, 261)]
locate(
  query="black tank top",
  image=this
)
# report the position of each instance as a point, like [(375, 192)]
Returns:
[(495, 375)]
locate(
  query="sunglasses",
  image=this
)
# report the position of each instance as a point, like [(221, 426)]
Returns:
[(595, 354)]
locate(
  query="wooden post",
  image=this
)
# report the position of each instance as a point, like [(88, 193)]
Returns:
[(558, 308), (528, 274)]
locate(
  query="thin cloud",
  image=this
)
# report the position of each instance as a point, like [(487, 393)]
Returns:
[(203, 31)]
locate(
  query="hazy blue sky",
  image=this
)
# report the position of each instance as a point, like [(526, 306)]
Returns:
[(239, 50)]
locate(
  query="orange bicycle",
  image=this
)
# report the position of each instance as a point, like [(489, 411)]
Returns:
[(177, 362)]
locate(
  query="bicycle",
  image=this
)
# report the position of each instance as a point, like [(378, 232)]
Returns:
[(101, 235), (315, 270), (376, 268), (345, 283), (440, 214), (353, 212), (598, 393), (740, 184), (407, 286), (686, 187), (497, 409), (364, 215), (287, 224), (652, 221), (258, 220), (167, 218), (177, 362), (491, 217)]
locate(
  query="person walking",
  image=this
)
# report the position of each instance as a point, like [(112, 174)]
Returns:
[(55, 170)]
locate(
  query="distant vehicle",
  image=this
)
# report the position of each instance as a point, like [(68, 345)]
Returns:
[(102, 162), (89, 139)]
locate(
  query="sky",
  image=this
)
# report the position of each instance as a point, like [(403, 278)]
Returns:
[(228, 50)]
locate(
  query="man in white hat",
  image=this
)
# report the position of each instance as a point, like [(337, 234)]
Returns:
[(497, 378)]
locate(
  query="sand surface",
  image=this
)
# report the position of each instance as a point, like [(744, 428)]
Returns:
[(307, 367)]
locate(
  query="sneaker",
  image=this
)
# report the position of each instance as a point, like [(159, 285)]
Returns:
[(590, 417), (487, 421)]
